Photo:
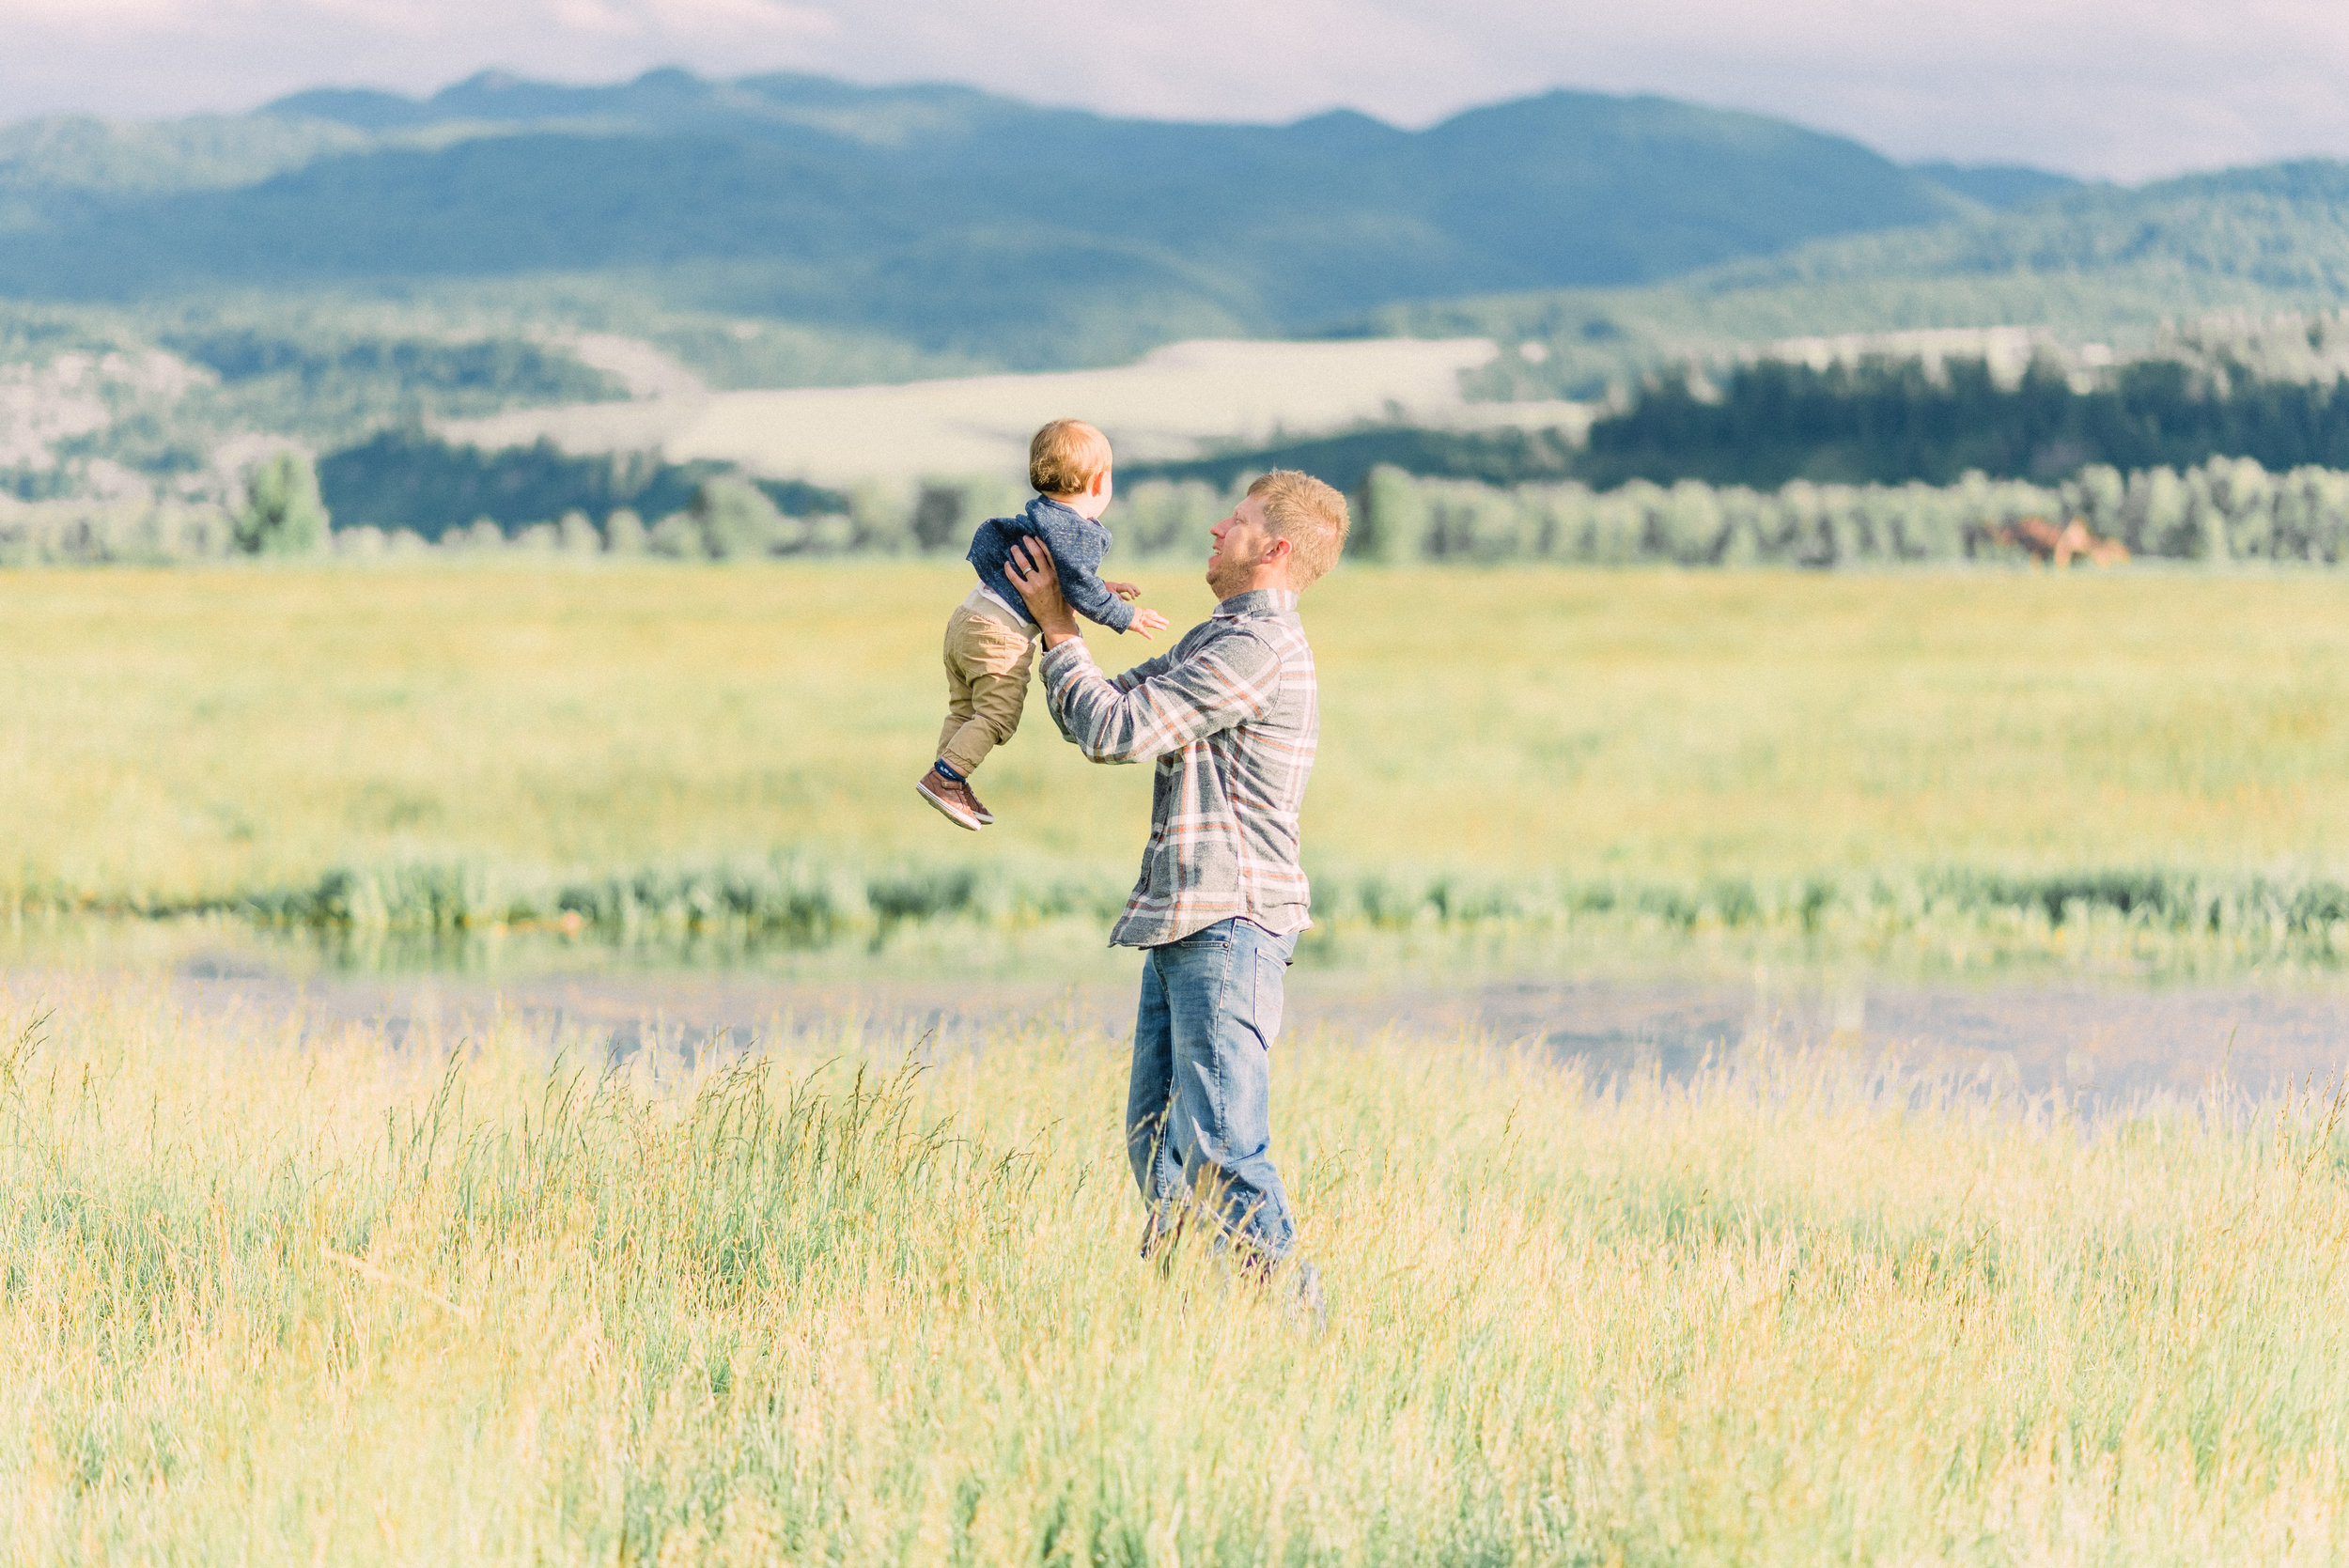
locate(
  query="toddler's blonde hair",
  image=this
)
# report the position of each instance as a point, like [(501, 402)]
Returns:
[(1065, 456)]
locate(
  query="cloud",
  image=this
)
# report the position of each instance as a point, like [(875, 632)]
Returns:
[(2126, 88), (145, 57), (2123, 88)]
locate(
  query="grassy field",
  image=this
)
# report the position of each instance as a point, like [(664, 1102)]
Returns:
[(276, 1302), (2002, 758), (1175, 400)]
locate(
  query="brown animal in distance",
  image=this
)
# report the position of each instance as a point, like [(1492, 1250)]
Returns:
[(2058, 547)]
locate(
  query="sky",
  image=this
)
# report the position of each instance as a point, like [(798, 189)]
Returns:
[(2121, 89)]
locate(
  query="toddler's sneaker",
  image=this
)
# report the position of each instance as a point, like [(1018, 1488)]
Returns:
[(953, 799)]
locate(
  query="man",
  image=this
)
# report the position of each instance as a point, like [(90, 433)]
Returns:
[(1231, 716)]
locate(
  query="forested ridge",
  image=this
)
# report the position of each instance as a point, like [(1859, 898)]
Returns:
[(2117, 265), (1768, 422), (1027, 235), (345, 270)]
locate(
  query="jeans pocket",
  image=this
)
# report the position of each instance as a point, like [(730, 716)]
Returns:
[(1272, 979)]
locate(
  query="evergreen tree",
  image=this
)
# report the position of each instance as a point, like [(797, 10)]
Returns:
[(282, 514)]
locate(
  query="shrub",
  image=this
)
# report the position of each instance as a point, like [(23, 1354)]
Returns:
[(736, 519), (282, 514), (624, 533), (575, 534)]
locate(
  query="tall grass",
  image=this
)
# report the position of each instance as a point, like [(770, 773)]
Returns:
[(267, 1301), (1999, 763), (2170, 920)]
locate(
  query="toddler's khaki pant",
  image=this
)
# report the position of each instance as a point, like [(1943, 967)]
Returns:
[(986, 682)]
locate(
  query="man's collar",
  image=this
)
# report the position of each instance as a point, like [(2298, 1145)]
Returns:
[(1257, 601)]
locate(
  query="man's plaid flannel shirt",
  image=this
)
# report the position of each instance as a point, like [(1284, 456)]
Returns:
[(1230, 715)]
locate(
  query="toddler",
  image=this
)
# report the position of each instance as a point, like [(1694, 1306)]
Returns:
[(990, 638)]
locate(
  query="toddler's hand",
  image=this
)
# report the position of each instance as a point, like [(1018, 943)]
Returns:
[(1146, 622), (1126, 591)]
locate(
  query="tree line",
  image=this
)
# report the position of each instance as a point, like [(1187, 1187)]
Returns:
[(2227, 510), (1768, 422)]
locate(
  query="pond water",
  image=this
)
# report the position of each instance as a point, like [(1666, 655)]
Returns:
[(2094, 1044)]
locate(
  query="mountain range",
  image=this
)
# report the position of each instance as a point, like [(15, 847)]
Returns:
[(2129, 269), (952, 220), (345, 263)]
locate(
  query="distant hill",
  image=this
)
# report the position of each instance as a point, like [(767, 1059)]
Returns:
[(948, 219), (1996, 185), (2093, 262), (350, 268), (2281, 227)]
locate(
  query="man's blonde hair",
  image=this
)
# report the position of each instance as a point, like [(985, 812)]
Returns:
[(1310, 515), (1066, 456)]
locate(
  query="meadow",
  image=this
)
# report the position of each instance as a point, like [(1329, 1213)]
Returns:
[(1171, 403), (866, 1300), (1979, 765), (275, 1288)]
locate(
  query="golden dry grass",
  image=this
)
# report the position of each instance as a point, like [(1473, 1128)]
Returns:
[(277, 1302), (201, 733)]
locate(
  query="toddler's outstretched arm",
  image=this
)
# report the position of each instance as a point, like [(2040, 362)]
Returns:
[(1144, 621), (1087, 594), (1076, 554)]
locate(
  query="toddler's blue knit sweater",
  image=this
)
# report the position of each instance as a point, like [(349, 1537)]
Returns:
[(1078, 543)]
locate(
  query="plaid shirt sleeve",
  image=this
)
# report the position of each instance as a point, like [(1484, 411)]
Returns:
[(1163, 706), (1231, 716), (1126, 681)]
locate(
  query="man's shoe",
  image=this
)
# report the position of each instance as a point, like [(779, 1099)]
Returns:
[(978, 807), (953, 799), (1161, 1228), (1304, 1302), (1294, 1287)]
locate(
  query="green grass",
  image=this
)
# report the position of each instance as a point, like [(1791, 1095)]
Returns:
[(2117, 767), (268, 1301)]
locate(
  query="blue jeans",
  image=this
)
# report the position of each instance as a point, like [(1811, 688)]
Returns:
[(1198, 1116)]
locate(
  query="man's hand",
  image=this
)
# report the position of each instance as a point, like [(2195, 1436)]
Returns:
[(1032, 571), (1146, 622), (1126, 591)]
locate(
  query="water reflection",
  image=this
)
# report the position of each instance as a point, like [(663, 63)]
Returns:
[(2094, 1045)]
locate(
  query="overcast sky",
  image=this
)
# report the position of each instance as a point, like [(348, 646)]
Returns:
[(2121, 88)]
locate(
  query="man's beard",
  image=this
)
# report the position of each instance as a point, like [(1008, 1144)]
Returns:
[(1226, 576)]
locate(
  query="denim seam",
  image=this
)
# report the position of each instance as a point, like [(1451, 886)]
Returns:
[(1214, 1035), (1163, 1133)]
